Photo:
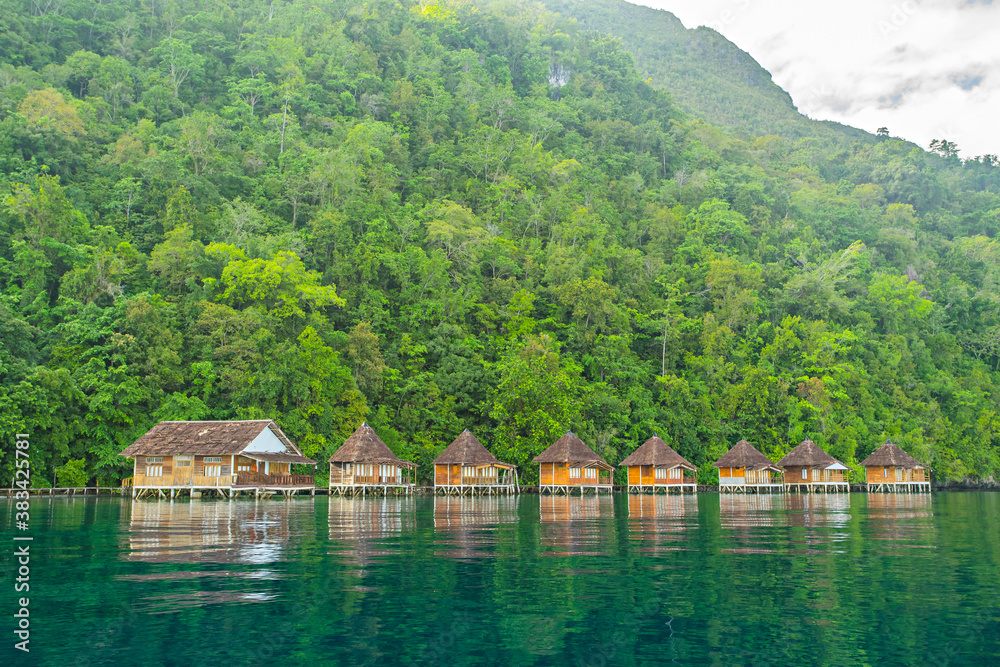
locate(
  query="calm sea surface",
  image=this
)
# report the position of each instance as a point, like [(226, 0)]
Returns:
[(706, 580)]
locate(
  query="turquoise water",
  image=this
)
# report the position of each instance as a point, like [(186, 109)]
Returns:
[(706, 580)]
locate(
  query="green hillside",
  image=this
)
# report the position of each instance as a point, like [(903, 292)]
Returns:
[(438, 216), (708, 76)]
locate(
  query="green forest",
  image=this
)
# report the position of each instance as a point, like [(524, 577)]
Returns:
[(444, 215)]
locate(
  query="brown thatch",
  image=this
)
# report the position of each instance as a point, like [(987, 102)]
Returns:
[(808, 454), (364, 446), (467, 450), (744, 455), (656, 452), (207, 438), (570, 449), (890, 454)]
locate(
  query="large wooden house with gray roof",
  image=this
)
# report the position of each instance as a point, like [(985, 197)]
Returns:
[(222, 457), (466, 467), (364, 464), (656, 467)]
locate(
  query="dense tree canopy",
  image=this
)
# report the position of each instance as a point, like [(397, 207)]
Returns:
[(437, 215)]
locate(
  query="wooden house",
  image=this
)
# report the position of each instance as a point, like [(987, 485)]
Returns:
[(222, 457), (570, 464), (465, 467), (890, 469), (745, 470), (364, 464), (808, 468), (656, 467)]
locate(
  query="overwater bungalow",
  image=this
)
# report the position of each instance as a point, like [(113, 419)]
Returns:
[(745, 470), (891, 470), (570, 464), (656, 467), (809, 469), (465, 467), (364, 464), (220, 457)]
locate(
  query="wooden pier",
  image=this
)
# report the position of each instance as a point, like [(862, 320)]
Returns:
[(69, 491)]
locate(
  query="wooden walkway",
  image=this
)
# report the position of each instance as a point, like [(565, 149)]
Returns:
[(69, 491)]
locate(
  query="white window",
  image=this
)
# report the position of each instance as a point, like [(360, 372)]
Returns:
[(574, 473), (154, 470), (213, 459), (468, 471), (885, 473), (805, 473), (661, 473), (676, 473), (591, 472)]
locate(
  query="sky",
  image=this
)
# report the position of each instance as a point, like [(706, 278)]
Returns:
[(924, 69)]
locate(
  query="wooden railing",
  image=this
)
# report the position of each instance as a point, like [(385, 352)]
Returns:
[(260, 479), (186, 479), (478, 480), (368, 479), (683, 479), (600, 480)]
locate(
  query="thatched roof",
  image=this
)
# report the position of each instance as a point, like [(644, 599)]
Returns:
[(808, 454), (656, 452), (467, 450), (364, 446), (744, 455), (890, 454), (209, 438), (570, 449)]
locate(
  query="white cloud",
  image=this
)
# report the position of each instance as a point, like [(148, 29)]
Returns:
[(926, 69)]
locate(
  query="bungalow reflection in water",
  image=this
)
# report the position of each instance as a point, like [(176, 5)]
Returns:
[(210, 532), (750, 511), (467, 525), (662, 521), (809, 510), (891, 516), (577, 525)]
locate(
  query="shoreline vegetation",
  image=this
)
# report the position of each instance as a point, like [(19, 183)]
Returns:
[(443, 215)]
